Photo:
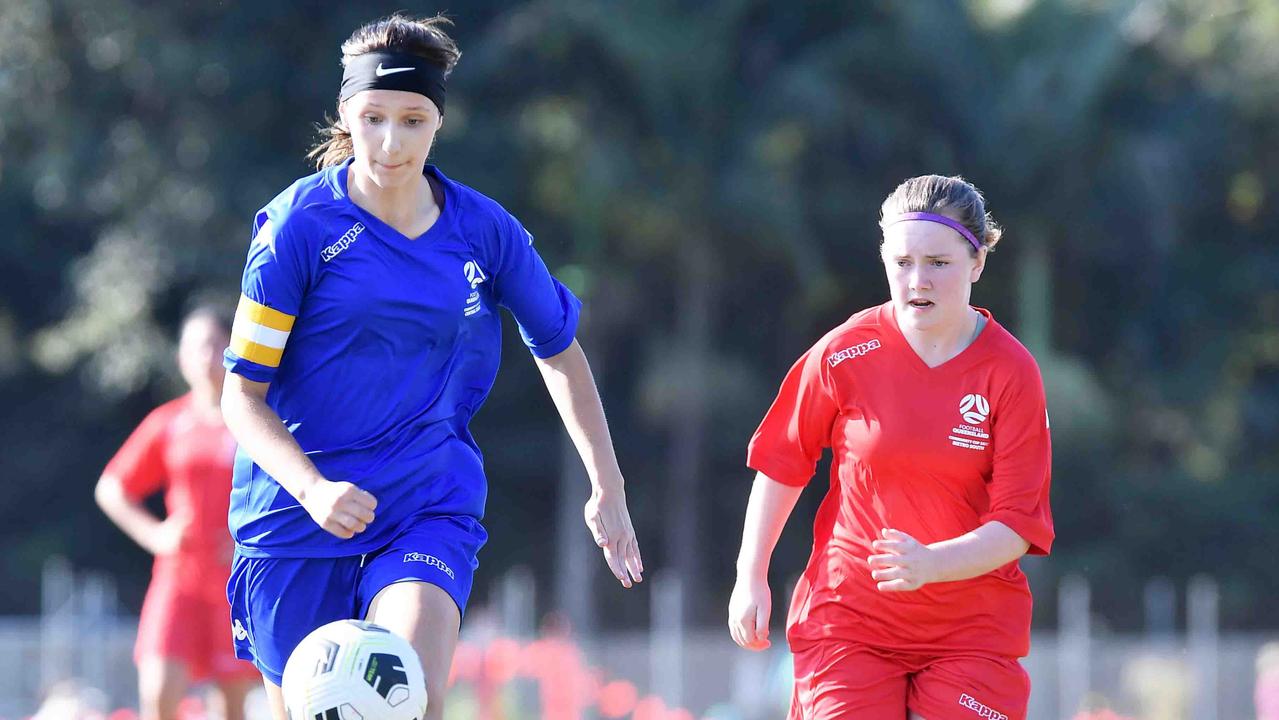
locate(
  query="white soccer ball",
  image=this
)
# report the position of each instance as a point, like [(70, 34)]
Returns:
[(354, 670)]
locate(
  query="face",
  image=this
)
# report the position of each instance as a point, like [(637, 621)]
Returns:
[(392, 131), (200, 352), (930, 271)]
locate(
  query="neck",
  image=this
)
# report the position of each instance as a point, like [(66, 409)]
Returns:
[(938, 344), (396, 206), (207, 399)]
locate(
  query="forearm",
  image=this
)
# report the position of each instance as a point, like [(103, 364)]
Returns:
[(770, 506), (572, 388), (987, 548), (132, 518), (261, 433)]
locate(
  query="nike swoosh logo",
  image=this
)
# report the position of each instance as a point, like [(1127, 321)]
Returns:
[(380, 71)]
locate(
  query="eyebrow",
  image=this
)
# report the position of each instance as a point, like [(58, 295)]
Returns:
[(411, 108), (928, 257)]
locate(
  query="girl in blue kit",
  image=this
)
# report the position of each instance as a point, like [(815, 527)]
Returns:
[(366, 337)]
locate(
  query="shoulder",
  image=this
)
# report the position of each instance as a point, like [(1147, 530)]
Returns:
[(1010, 353), (859, 335), (165, 414), (476, 213), (475, 204), (301, 208)]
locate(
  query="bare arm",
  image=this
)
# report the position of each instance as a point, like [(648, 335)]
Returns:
[(903, 563), (156, 536), (571, 385), (770, 506), (341, 508)]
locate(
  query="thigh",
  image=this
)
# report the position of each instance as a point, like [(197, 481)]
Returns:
[(970, 687), (162, 682), (440, 550), (165, 630), (838, 679), (214, 655), (275, 602), (429, 617)]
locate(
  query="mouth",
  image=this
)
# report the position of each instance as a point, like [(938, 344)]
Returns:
[(920, 303)]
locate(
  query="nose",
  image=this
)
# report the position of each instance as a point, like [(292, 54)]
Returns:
[(919, 277), (390, 142)]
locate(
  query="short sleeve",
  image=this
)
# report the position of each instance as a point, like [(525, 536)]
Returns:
[(796, 429), (139, 463), (270, 297), (546, 311), (1021, 477)]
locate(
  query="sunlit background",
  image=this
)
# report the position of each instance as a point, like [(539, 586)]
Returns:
[(707, 176)]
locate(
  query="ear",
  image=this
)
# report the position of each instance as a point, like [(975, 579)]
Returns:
[(979, 264)]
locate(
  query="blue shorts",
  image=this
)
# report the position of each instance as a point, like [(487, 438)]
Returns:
[(275, 602)]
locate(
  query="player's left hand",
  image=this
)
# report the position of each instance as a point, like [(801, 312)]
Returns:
[(903, 563), (610, 525)]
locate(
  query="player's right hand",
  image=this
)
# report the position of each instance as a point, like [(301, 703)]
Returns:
[(168, 535), (748, 612), (341, 508)]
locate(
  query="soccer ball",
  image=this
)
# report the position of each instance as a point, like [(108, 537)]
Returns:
[(354, 670)]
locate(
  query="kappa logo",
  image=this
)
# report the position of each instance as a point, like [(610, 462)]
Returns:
[(342, 243), (238, 632), (974, 408), (855, 351), (430, 560), (985, 711)]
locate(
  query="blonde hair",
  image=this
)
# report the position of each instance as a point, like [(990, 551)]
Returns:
[(954, 197), (424, 37)]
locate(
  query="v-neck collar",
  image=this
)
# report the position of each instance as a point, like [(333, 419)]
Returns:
[(382, 228), (963, 359)]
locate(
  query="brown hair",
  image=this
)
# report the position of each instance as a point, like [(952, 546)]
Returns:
[(424, 37), (954, 197)]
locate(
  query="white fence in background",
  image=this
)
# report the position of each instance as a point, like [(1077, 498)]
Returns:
[(1164, 673)]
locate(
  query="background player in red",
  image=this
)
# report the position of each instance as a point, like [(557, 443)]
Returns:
[(912, 603), (183, 448)]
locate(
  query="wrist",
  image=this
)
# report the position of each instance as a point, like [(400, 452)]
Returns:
[(305, 485), (609, 482)]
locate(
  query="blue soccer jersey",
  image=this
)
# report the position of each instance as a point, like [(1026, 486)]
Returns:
[(378, 350)]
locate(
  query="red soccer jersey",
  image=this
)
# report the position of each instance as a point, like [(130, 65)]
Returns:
[(190, 457), (933, 452)]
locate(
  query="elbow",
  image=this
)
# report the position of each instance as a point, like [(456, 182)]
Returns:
[(105, 492)]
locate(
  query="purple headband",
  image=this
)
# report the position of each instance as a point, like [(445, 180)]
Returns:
[(940, 219)]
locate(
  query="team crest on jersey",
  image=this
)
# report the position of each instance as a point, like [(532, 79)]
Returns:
[(973, 410), (474, 275)]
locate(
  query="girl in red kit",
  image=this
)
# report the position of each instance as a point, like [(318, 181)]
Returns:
[(183, 449), (912, 605)]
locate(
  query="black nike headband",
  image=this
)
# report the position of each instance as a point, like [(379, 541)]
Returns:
[(386, 70)]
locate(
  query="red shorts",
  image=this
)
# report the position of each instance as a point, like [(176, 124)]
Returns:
[(194, 629), (841, 679)]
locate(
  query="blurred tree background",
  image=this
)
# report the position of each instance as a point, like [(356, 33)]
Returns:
[(708, 176)]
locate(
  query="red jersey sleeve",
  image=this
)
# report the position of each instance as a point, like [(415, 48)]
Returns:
[(1023, 462), (139, 463), (790, 439)]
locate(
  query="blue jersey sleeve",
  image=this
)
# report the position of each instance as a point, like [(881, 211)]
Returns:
[(275, 278), (546, 311)]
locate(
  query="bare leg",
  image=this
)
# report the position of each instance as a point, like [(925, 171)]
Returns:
[(275, 700), (226, 701), (161, 684), (429, 618)]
